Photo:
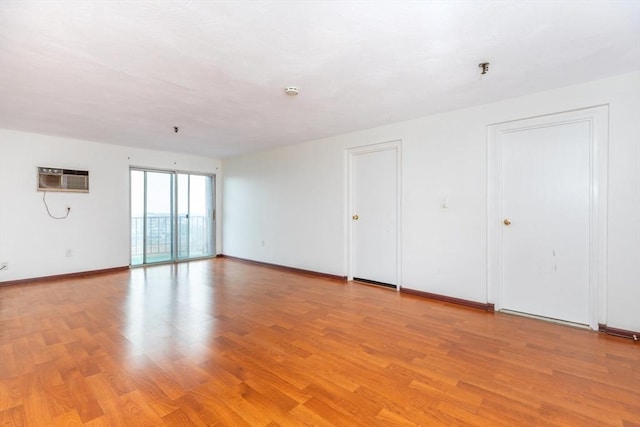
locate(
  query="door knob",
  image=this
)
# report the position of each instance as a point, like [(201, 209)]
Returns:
[(355, 217), (507, 221)]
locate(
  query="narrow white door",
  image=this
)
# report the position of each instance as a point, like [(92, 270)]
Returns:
[(546, 224), (374, 198)]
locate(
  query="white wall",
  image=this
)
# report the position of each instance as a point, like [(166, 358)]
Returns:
[(97, 230), (293, 198)]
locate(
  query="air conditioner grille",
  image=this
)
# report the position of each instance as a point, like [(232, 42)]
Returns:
[(55, 179), (75, 182)]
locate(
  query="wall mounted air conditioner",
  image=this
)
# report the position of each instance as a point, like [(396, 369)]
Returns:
[(56, 179)]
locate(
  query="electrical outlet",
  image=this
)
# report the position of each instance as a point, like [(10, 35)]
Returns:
[(4, 265)]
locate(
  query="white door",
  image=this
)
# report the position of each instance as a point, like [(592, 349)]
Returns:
[(374, 206), (545, 236)]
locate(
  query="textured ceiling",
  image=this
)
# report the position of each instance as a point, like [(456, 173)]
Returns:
[(126, 72)]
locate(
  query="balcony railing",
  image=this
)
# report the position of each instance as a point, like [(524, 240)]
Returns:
[(194, 238)]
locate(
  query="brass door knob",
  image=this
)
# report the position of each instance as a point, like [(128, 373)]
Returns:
[(507, 221), (355, 217)]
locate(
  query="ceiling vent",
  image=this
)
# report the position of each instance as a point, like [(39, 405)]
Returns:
[(55, 179)]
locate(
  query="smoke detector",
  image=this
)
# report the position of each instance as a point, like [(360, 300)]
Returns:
[(291, 90)]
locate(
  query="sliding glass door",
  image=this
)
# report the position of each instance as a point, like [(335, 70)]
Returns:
[(172, 216), (195, 216)]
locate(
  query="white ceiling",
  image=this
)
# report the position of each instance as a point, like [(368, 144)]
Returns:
[(126, 72)]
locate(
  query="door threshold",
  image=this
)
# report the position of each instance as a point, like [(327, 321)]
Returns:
[(546, 319), (374, 283)]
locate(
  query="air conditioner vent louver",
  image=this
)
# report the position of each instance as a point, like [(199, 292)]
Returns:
[(55, 179)]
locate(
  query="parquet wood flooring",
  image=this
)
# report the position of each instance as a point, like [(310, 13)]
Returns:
[(225, 343)]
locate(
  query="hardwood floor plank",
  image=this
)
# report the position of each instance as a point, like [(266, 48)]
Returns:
[(36, 408), (284, 395), (409, 405), (500, 410), (627, 423), (229, 405), (274, 410), (153, 374), (54, 388), (109, 400), (389, 418), (8, 368), (337, 397), (453, 396), (301, 415), (23, 357), (224, 343), (116, 375), (84, 400), (51, 337), (178, 419), (332, 412), (11, 392), (192, 406), (156, 398), (68, 419), (139, 413), (184, 372), (13, 417)]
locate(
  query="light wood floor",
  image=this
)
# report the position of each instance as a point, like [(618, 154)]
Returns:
[(225, 343)]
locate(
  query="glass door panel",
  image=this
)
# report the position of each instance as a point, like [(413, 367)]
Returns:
[(159, 217), (201, 216), (152, 217), (195, 213), (137, 217), (183, 216)]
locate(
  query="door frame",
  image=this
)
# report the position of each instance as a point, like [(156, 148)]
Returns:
[(597, 117), (174, 204), (350, 153)]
